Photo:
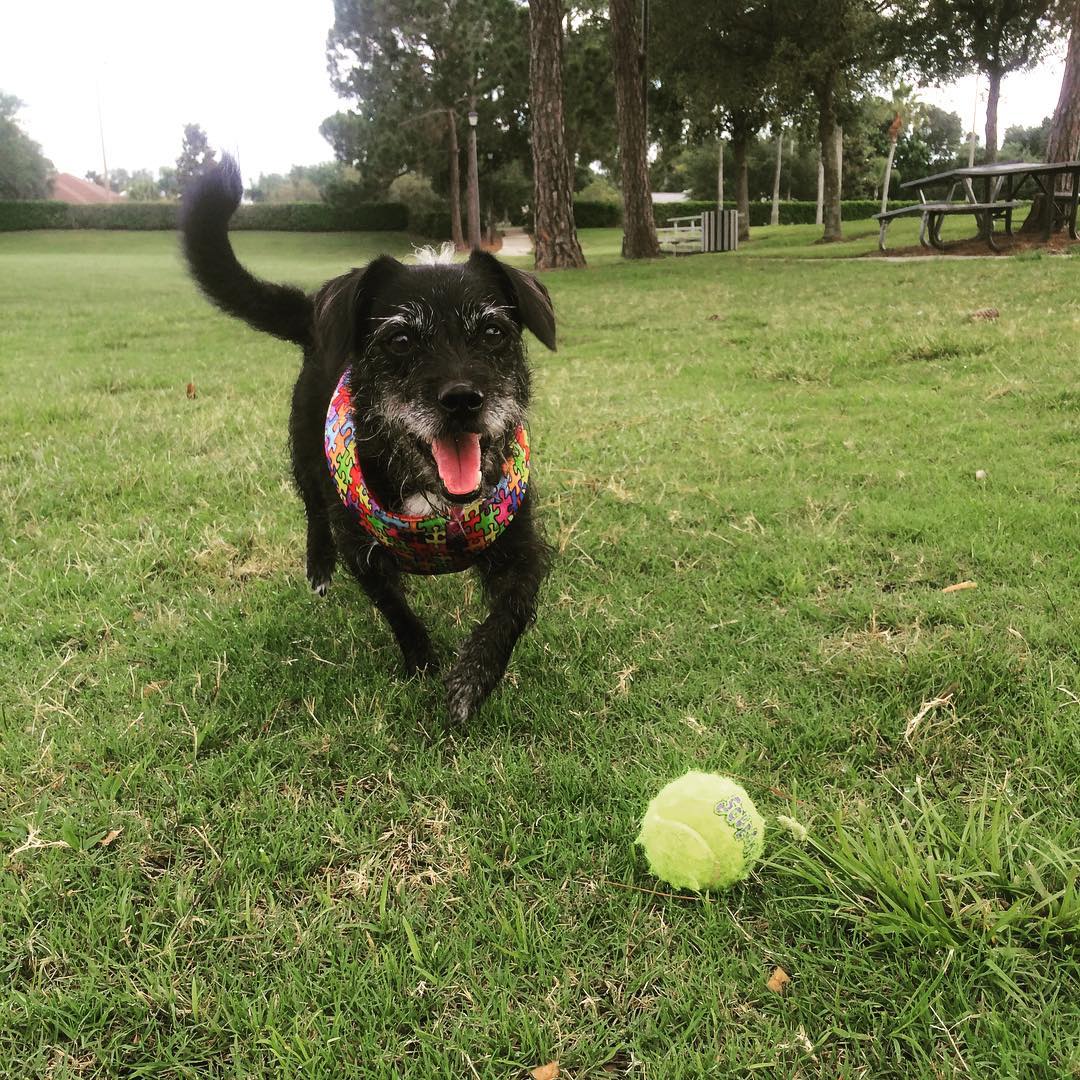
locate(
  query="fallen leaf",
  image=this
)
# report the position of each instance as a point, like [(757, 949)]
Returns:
[(110, 836), (778, 980), (960, 586), (550, 1071), (154, 688), (190, 390)]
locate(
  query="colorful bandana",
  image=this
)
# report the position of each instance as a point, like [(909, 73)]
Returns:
[(423, 545)]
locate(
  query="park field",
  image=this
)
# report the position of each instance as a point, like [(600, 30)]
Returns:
[(234, 843)]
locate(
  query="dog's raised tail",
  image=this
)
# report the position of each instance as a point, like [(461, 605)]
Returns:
[(282, 310)]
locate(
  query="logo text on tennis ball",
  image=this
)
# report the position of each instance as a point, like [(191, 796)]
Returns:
[(734, 813)]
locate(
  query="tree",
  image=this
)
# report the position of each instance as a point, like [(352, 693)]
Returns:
[(1027, 143), (589, 93), (24, 170), (196, 156), (725, 82), (904, 107), (831, 48), (556, 240), (639, 227), (993, 37), (1063, 140), (411, 69)]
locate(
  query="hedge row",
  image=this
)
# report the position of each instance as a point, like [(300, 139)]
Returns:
[(375, 217), (292, 217), (793, 212)]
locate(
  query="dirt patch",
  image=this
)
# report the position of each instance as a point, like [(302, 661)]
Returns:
[(1018, 244)]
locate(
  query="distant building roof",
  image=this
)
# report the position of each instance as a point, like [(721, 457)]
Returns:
[(670, 196), (70, 189)]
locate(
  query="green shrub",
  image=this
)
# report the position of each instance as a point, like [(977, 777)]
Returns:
[(33, 214), (321, 217), (431, 224), (793, 212), (134, 216), (291, 217), (592, 214)]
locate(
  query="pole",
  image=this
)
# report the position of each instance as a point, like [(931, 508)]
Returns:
[(974, 114), (720, 178), (474, 185), (101, 134)]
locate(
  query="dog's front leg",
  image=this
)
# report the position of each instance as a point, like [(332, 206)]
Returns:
[(380, 579), (511, 575)]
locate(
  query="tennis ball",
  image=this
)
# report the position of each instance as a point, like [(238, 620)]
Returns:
[(702, 832)]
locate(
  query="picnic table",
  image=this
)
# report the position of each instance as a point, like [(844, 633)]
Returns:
[(1001, 183)]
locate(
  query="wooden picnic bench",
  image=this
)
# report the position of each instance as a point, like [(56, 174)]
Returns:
[(1001, 182), (934, 213)]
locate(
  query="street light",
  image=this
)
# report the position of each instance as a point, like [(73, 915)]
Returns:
[(473, 206)]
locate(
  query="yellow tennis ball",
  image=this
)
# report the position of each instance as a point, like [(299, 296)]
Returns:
[(702, 832)]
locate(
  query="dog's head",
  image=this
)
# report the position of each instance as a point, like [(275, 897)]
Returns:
[(440, 381)]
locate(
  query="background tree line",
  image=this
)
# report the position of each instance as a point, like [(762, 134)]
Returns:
[(767, 99)]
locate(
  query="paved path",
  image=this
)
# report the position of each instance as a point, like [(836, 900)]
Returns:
[(516, 242)]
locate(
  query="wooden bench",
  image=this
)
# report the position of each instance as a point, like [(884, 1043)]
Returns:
[(681, 234), (934, 213)]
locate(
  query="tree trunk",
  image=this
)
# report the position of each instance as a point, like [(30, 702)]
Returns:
[(774, 216), (828, 138), (455, 183), (555, 234), (992, 98), (1063, 142), (720, 178), (639, 228), (888, 176), (791, 171), (819, 213), (739, 142)]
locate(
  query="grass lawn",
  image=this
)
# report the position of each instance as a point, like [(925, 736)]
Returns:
[(233, 843)]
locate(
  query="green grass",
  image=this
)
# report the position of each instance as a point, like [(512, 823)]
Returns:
[(760, 475)]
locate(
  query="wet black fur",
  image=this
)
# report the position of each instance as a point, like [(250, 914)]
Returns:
[(469, 336)]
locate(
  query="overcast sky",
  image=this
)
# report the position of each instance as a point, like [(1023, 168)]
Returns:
[(252, 73)]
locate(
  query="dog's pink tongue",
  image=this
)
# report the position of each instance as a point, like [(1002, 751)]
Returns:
[(457, 458)]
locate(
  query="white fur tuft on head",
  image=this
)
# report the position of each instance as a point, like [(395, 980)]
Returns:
[(443, 255)]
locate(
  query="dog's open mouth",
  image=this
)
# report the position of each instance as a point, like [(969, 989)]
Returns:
[(457, 457)]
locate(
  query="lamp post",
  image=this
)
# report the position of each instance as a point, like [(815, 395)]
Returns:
[(473, 203)]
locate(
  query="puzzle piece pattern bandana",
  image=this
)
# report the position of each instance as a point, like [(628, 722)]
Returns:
[(434, 544)]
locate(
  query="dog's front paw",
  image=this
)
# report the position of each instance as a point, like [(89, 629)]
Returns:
[(319, 573), (462, 696), (470, 681), (420, 660)]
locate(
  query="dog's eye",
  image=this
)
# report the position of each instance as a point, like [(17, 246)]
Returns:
[(493, 334), (399, 344)]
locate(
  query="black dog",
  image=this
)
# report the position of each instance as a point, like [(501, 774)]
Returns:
[(439, 386)]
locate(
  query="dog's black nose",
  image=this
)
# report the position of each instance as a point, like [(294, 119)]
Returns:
[(461, 398)]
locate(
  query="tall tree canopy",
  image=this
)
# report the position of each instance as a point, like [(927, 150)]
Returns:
[(411, 70), (24, 170), (725, 83), (831, 49), (992, 37), (195, 155)]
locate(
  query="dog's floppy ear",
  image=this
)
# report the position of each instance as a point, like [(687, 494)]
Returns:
[(342, 306), (526, 292)]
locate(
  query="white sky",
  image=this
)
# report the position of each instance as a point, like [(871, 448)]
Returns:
[(252, 73)]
